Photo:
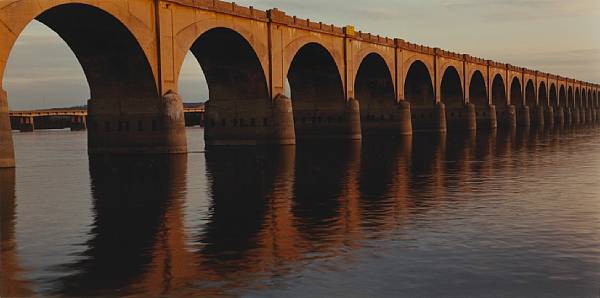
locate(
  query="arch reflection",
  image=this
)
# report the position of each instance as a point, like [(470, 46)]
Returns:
[(134, 198)]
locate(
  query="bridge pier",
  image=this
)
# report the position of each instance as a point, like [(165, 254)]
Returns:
[(142, 125), (397, 124), (523, 117), (7, 153), (536, 116), (461, 118), (568, 116), (429, 119), (576, 116), (549, 116), (507, 118), (559, 117), (235, 123), (588, 116), (26, 124), (486, 117), (78, 123)]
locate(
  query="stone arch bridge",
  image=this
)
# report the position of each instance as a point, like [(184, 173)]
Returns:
[(343, 83)]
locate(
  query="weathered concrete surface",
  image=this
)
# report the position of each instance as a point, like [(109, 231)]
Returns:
[(7, 154), (549, 119), (429, 119), (145, 125), (537, 116), (523, 117), (461, 119), (560, 117), (395, 122), (486, 118), (507, 118)]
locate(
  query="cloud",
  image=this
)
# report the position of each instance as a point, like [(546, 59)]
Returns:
[(524, 10)]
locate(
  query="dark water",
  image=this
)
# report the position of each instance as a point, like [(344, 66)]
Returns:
[(502, 215)]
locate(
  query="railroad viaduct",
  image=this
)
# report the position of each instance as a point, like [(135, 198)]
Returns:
[(343, 83)]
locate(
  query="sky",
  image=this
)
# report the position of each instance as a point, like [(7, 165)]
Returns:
[(556, 36)]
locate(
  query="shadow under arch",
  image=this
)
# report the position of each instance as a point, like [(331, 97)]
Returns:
[(505, 112), (374, 90), (478, 96), (318, 100), (426, 115), (460, 116), (239, 110)]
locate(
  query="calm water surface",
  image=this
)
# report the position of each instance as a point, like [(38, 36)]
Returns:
[(486, 215)]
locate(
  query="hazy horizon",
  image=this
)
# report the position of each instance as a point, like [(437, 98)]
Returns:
[(548, 35)]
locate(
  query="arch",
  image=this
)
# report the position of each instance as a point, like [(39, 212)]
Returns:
[(589, 98), (530, 98), (499, 92), (233, 70), (583, 99), (570, 98), (516, 95), (451, 88), (202, 24), (554, 99), (374, 88), (313, 76), (418, 86), (477, 90), (543, 94), (300, 43), (577, 103), (101, 36), (317, 93)]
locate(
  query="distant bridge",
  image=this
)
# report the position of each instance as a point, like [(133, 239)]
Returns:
[(344, 83), (76, 119)]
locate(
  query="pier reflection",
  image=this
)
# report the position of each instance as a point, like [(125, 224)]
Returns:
[(270, 209), (12, 283), (133, 201)]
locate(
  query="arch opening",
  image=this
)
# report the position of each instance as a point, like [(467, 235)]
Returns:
[(113, 61), (516, 95), (530, 98), (418, 87), (477, 91), (570, 99), (451, 89), (317, 92), (553, 97), (122, 88), (498, 93), (562, 97), (577, 98), (374, 89), (231, 67), (543, 95)]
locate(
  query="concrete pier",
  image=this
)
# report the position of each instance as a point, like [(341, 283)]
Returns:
[(26, 124), (523, 117), (429, 119), (151, 125), (236, 123), (78, 123), (576, 116), (7, 154), (549, 116), (461, 119), (559, 117), (507, 118), (536, 116), (397, 123), (486, 118)]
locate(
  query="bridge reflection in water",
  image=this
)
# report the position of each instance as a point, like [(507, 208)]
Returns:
[(272, 209)]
